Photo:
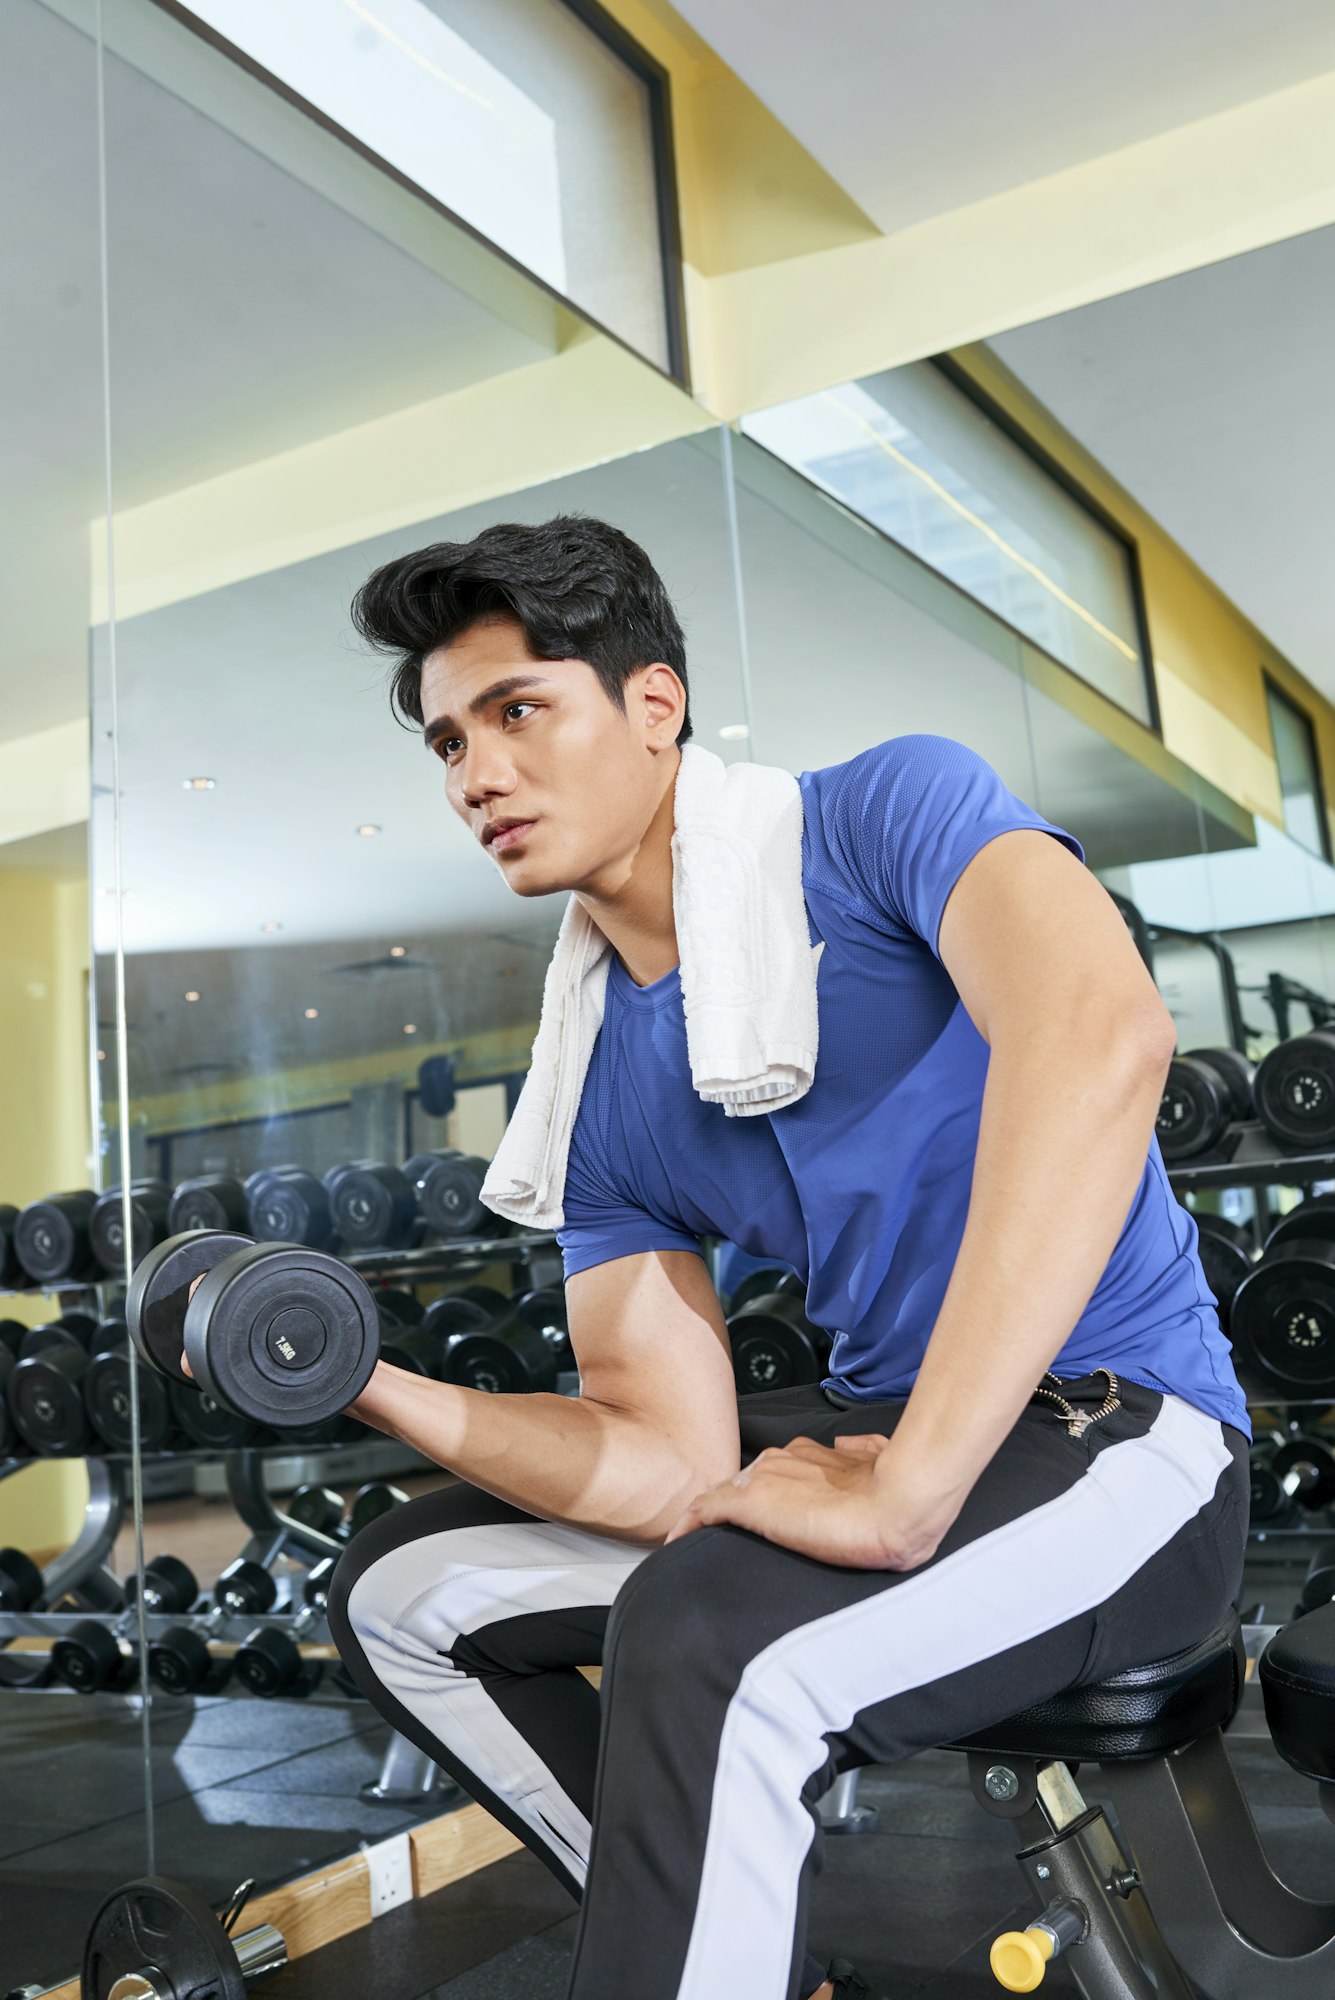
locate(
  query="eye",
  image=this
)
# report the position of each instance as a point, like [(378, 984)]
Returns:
[(444, 745), (517, 704)]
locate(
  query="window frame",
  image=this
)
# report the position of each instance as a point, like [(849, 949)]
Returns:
[(1275, 693), (659, 93)]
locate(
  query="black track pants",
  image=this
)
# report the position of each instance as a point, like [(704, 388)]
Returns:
[(739, 1678)]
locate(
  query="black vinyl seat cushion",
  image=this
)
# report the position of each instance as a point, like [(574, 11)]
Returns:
[(1144, 1712), (1297, 1674)]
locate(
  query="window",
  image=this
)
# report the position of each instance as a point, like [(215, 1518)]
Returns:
[(1299, 773), (919, 459), (536, 122)]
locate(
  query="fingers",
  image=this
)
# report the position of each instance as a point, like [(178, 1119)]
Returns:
[(868, 1443)]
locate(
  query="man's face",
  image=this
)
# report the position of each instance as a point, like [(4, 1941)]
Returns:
[(538, 742)]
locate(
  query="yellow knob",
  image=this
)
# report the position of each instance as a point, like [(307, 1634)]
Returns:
[(1019, 1959)]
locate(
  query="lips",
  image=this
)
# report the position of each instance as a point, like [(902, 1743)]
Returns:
[(506, 833)]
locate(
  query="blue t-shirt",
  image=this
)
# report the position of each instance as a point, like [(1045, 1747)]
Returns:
[(863, 1185)]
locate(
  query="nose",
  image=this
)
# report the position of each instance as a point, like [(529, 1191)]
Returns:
[(485, 773)]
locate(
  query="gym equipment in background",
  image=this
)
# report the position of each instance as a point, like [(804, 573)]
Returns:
[(1282, 1315), (289, 1205), (1206, 1091), (372, 1206), (774, 1345), (1295, 1092), (149, 1202), (156, 1937), (209, 1201), (449, 1193), (1226, 1257), (51, 1238)]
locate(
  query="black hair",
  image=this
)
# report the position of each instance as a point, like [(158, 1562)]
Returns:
[(580, 589)]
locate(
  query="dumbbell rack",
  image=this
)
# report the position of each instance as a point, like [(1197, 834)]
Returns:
[(80, 1572)]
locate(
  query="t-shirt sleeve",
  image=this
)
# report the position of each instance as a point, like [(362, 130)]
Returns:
[(602, 1220), (906, 818)]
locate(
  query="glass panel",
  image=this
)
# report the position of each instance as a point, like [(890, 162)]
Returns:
[(313, 372), (514, 114), (918, 458), (1299, 775)]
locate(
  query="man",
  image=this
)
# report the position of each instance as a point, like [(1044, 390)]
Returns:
[(970, 1189)]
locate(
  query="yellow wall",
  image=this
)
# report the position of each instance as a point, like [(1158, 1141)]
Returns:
[(45, 1132)]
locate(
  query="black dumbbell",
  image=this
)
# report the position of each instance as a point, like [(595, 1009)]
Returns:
[(340, 1429), (11, 1335), (51, 1238), (21, 1584), (289, 1205), (761, 1284), (449, 1193), (207, 1423), (1206, 1091), (149, 1200), (1270, 1504), (316, 1507), (369, 1502), (44, 1393), (285, 1336), (1282, 1315), (1305, 1468), (373, 1206), (417, 1350), (12, 1273), (168, 1586), (1319, 1583), (179, 1660), (106, 1395), (12, 1445), (506, 1357), (268, 1662), (545, 1309), (399, 1308), (88, 1658), (1226, 1258), (775, 1346), (208, 1201), (1295, 1091), (84, 1326)]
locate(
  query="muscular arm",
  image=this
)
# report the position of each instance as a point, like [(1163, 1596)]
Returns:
[(1080, 1045), (656, 1419)]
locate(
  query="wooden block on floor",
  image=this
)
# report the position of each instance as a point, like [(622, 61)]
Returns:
[(455, 1845)]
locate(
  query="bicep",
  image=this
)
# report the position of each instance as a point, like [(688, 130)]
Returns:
[(648, 1335), (1032, 941)]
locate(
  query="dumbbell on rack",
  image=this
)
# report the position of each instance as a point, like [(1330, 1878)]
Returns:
[(489, 1348), (1282, 1315), (44, 1389), (1288, 1473), (373, 1206), (149, 1201), (89, 1659), (179, 1660), (448, 1186), (1295, 1091), (268, 1662), (1226, 1255), (208, 1201), (106, 1395), (1206, 1091), (774, 1345), (12, 1273), (51, 1239), (289, 1205), (21, 1584)]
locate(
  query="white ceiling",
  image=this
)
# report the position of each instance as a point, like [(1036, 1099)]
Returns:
[(916, 109), (1209, 397), (247, 314)]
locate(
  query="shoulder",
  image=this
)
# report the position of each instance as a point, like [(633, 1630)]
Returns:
[(891, 774)]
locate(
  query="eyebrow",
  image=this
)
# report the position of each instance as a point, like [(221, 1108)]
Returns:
[(441, 725)]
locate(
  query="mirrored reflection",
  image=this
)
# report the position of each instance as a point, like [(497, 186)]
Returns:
[(325, 977)]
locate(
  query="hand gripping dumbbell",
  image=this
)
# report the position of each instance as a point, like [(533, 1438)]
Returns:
[(1206, 1091), (775, 1346), (179, 1660), (289, 1205), (268, 1662), (51, 1238), (449, 1194), (106, 1394), (149, 1201), (209, 1201), (285, 1336), (373, 1206), (89, 1659)]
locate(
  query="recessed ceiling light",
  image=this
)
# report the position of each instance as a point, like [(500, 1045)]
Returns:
[(367, 831), (192, 995), (312, 1013), (197, 784), (410, 1027), (271, 926), (101, 1055), (733, 732), (398, 951)]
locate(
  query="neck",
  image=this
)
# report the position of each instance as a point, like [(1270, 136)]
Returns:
[(635, 914)]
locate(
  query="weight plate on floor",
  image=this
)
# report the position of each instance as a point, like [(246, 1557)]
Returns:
[(286, 1335), (209, 1201), (1295, 1090), (159, 1293), (162, 1924), (1282, 1318), (1193, 1110)]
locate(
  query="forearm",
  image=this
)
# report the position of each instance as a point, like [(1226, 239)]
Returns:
[(1066, 1126), (563, 1458)]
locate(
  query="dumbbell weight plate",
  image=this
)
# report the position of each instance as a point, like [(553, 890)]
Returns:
[(1305, 1466), (84, 1327), (206, 1422), (1193, 1110), (179, 1662), (11, 1335), (289, 1205), (209, 1201), (10, 1444), (106, 1397), (88, 1659), (403, 1308), (1311, 1222), (1295, 1090), (372, 1205), (159, 1292), (45, 1395), (450, 1193), (20, 1581), (287, 1336), (316, 1507), (453, 1314), (268, 1663), (1282, 1318), (51, 1237), (170, 1587), (369, 1502), (1225, 1254), (1237, 1075), (755, 1285), (148, 1224), (157, 1922), (774, 1345), (12, 1274), (507, 1359)]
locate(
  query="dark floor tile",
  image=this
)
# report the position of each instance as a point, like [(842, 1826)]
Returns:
[(424, 1947), (20, 1837), (538, 1968), (279, 1727), (340, 1770), (87, 1784)]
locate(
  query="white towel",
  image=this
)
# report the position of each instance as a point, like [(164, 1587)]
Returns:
[(748, 978)]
